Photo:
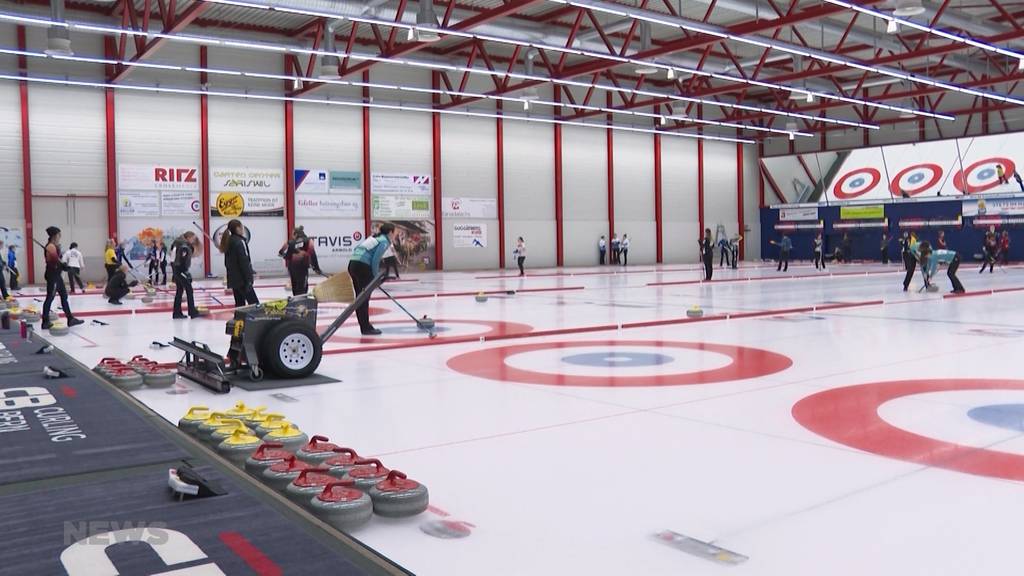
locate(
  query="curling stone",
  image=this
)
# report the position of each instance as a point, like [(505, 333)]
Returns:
[(31, 316), (140, 363), (367, 473), (105, 365), (225, 430), (342, 506), (239, 412), (268, 454), (398, 497), (695, 312), (160, 377), (257, 417), (125, 379), (147, 299), (129, 296), (316, 451), (289, 435), (189, 423), (237, 447), (14, 312), (206, 427), (933, 288), (278, 476), (59, 329), (426, 323), (343, 460), (307, 485), (203, 311), (271, 422), (90, 286), (481, 297), (150, 290)]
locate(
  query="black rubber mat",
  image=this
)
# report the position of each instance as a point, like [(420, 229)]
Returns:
[(269, 383), (133, 526), (18, 356), (57, 427)]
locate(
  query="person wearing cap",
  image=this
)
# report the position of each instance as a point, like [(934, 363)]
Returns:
[(55, 280), (299, 255)]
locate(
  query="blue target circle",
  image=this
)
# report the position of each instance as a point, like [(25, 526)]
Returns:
[(618, 359), (986, 173), (915, 178), (1008, 416), (858, 181)]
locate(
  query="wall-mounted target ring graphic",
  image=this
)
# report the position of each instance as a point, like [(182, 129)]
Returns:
[(982, 175), (856, 183), (915, 179)]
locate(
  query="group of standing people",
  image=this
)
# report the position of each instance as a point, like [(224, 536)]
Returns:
[(619, 253)]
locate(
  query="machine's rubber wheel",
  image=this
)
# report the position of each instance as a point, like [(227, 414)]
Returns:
[(255, 373), (292, 350)]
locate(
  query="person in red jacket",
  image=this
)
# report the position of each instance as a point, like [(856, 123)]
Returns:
[(1004, 247), (55, 279), (299, 255)]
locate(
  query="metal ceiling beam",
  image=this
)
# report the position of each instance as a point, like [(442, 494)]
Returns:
[(508, 8), (177, 24)]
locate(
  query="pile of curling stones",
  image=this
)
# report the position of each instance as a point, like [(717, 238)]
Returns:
[(332, 482), (136, 373)]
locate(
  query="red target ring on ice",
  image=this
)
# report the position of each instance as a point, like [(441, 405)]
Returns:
[(491, 329), (856, 183), (915, 179), (849, 416), (981, 175), (744, 363)]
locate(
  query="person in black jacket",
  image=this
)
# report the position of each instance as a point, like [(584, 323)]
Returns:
[(707, 253), (181, 250), (118, 286), (299, 255), (238, 264)]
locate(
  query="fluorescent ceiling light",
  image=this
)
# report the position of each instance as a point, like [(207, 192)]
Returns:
[(361, 104)]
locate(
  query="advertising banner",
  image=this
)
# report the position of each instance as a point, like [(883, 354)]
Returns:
[(138, 236), (266, 236), (401, 184), (179, 203), (801, 213), (479, 208), (248, 205), (414, 243), (311, 182), (874, 212), (138, 204), (344, 206), (346, 182), (993, 207), (246, 180), (333, 241), (469, 236), (402, 207), (153, 177)]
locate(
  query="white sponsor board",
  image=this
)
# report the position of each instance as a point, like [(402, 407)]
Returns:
[(461, 207), (993, 207), (402, 207), (266, 236), (312, 182), (401, 184), (247, 180), (800, 213), (469, 236), (344, 206), (138, 204), (155, 177), (333, 241), (179, 203)]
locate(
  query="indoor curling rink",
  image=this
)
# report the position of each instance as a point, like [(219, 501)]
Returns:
[(809, 423)]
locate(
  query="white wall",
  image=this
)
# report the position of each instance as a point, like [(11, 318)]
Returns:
[(680, 224), (68, 146), (633, 159), (530, 191), (584, 193), (469, 168), (751, 205)]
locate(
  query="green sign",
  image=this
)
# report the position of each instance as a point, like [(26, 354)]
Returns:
[(341, 180), (875, 212)]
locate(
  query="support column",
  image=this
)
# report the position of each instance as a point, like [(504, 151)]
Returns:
[(559, 248), (111, 167), (501, 186), (438, 224), (26, 162), (700, 185), (739, 193), (367, 214), (610, 147), (289, 165), (658, 242), (760, 177), (204, 160)]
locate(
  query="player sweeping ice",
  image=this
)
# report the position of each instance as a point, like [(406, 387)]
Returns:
[(364, 266)]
